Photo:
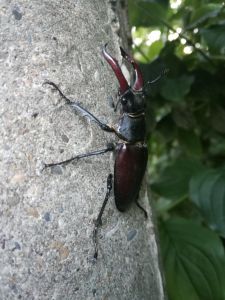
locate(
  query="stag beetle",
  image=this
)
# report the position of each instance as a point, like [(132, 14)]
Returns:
[(131, 152)]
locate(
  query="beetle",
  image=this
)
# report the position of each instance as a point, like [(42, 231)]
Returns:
[(131, 152)]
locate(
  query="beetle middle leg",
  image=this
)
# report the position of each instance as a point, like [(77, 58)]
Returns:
[(98, 221), (110, 147)]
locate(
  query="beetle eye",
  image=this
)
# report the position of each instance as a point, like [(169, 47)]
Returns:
[(123, 100)]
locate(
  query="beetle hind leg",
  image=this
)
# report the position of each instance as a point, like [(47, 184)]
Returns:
[(98, 221), (144, 211)]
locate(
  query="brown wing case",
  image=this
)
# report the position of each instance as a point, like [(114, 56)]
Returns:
[(129, 169)]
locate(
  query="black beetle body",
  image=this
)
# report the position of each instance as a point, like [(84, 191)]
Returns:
[(131, 151), (131, 129)]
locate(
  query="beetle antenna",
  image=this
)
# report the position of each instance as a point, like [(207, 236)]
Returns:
[(117, 103), (163, 73)]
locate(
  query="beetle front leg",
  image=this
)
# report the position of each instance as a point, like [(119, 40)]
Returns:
[(76, 106), (98, 221)]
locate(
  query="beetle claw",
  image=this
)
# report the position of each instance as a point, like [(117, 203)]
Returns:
[(139, 83), (117, 70)]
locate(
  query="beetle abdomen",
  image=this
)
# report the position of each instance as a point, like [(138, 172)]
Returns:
[(129, 169)]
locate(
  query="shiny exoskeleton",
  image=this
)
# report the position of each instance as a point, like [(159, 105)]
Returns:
[(130, 152)]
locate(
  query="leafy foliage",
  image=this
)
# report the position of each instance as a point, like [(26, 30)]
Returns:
[(207, 191), (186, 112), (174, 180), (194, 261)]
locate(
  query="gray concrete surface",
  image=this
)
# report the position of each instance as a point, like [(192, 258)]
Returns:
[(46, 218)]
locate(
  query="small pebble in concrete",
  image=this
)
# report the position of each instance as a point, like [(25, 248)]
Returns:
[(131, 234), (47, 217), (17, 14)]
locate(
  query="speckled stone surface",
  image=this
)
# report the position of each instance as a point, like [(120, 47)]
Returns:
[(46, 218)]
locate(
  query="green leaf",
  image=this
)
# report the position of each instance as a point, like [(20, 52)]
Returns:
[(194, 261), (173, 182), (203, 13), (175, 89), (190, 142), (154, 50), (218, 118), (215, 38), (166, 128), (217, 146), (207, 191), (146, 13), (183, 117), (145, 53)]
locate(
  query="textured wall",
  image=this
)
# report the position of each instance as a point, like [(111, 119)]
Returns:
[(46, 218)]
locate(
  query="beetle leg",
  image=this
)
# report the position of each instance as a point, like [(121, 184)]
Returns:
[(109, 148), (98, 221), (144, 211), (111, 102), (76, 106)]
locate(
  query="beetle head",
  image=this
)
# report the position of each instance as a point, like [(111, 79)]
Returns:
[(132, 102), (132, 98)]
